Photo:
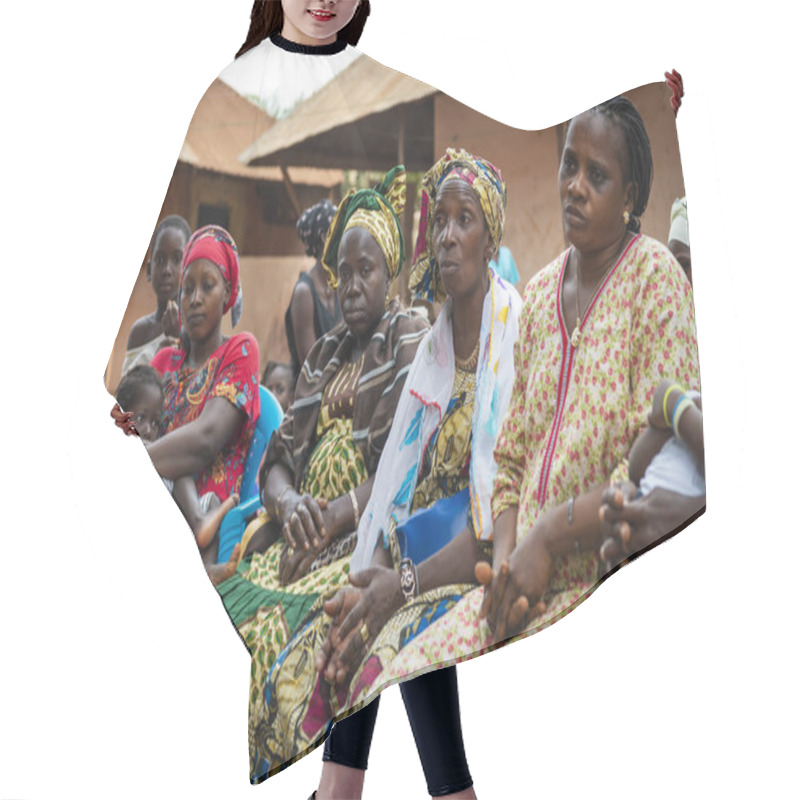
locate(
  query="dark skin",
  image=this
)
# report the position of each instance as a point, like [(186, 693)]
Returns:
[(375, 595), (463, 248), (279, 382), (658, 431), (301, 309), (631, 524), (163, 272), (595, 192), (310, 524), (191, 448)]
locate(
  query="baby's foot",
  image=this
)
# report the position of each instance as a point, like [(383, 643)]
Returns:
[(218, 573)]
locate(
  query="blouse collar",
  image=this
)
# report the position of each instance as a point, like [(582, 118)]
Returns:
[(308, 49)]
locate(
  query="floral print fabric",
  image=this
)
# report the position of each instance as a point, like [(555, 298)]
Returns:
[(231, 372)]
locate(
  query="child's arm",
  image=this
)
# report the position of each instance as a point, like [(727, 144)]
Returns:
[(690, 428), (647, 445)]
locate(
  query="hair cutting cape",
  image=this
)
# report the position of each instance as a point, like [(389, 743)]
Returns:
[(551, 413)]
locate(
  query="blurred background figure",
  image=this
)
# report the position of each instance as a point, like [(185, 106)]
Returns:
[(160, 329), (280, 380), (505, 266), (678, 241), (314, 308)]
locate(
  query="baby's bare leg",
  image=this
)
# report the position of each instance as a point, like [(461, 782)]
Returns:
[(204, 525)]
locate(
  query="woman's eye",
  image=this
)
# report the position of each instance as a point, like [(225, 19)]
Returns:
[(596, 176)]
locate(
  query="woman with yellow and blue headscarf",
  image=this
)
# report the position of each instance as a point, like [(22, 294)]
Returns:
[(318, 470), (428, 520)]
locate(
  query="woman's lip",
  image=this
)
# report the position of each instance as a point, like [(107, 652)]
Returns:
[(193, 319), (448, 266), (571, 211), (323, 16)]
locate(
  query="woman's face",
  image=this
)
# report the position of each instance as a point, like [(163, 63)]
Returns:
[(363, 281), (592, 183), (461, 240), (204, 293), (164, 266), (316, 22)]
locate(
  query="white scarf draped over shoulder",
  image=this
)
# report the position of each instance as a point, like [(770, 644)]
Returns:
[(424, 402)]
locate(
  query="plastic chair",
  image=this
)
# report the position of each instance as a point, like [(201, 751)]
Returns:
[(232, 528)]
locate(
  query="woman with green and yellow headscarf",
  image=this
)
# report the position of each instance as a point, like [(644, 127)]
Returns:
[(317, 474), (429, 504)]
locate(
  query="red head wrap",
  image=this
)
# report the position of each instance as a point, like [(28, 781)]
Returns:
[(217, 245)]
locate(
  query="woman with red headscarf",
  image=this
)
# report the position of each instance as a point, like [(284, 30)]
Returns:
[(211, 393)]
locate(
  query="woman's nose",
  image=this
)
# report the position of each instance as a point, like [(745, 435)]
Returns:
[(576, 185), (446, 237), (353, 287)]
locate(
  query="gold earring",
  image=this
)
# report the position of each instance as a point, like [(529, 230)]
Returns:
[(626, 217)]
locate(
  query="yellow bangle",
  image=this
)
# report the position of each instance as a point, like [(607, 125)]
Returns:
[(678, 412), (666, 396)]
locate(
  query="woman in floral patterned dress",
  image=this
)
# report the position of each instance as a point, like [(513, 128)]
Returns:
[(600, 327)]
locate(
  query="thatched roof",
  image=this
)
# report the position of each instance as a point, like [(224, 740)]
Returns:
[(224, 124), (354, 122)]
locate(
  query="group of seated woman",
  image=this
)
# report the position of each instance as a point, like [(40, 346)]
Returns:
[(433, 492)]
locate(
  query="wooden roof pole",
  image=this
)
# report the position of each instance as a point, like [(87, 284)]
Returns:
[(287, 182)]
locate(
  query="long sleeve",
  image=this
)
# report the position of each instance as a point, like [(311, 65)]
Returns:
[(510, 449)]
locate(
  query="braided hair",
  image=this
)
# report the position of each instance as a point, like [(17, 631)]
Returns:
[(174, 221), (638, 158), (266, 19)]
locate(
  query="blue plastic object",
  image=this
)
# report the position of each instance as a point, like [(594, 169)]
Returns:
[(429, 530), (232, 528)]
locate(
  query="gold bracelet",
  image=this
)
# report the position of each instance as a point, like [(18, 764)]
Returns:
[(356, 515)]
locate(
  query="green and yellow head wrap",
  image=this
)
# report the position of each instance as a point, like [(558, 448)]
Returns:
[(487, 182), (377, 210)]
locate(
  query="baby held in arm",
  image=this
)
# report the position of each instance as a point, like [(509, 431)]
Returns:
[(666, 468), (140, 392)]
